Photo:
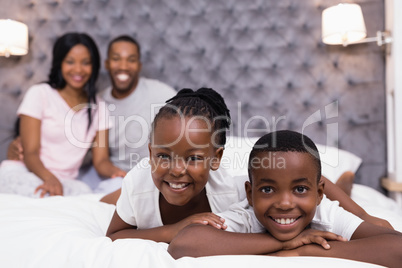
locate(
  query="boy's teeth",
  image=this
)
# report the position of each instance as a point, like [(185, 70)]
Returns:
[(285, 221), (177, 185), (122, 77)]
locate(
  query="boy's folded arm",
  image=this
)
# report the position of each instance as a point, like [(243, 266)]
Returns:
[(370, 243), (384, 250), (204, 240)]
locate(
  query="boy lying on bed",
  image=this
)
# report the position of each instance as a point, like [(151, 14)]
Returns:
[(284, 200)]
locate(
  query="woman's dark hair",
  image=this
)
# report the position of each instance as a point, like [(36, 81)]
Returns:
[(205, 103), (16, 128), (285, 141), (61, 48)]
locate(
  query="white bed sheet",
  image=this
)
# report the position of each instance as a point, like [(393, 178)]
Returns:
[(69, 232), (377, 204)]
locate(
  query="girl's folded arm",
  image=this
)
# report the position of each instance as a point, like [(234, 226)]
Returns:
[(119, 229)]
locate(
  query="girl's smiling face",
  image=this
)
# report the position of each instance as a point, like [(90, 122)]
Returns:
[(284, 192), (181, 155)]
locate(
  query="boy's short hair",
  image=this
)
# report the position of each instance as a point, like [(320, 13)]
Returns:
[(285, 141)]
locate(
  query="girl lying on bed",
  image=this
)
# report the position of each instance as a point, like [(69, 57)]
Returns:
[(54, 146), (181, 182), (285, 202)]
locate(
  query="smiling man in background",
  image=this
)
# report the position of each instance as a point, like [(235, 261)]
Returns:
[(132, 102)]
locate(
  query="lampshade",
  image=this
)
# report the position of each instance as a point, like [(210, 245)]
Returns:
[(343, 24), (13, 38)]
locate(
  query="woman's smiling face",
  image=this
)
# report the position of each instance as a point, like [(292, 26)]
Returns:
[(76, 67), (284, 192)]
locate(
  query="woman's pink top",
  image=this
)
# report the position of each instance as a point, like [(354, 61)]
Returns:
[(65, 137)]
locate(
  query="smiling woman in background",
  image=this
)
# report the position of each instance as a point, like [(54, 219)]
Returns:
[(59, 121)]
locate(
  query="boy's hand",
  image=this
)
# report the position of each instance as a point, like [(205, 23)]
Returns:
[(311, 236), (207, 218)]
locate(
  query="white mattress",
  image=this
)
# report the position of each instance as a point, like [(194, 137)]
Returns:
[(69, 232)]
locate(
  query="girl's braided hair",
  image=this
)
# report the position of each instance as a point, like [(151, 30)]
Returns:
[(204, 102)]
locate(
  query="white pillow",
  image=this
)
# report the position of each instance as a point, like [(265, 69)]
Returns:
[(334, 161)]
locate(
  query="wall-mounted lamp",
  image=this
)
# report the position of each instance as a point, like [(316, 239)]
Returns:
[(343, 24), (13, 38)]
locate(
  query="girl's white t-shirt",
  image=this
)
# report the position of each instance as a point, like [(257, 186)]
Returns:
[(138, 204)]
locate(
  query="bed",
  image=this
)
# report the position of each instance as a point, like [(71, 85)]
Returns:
[(70, 231)]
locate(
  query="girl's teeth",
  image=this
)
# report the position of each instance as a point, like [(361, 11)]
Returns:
[(122, 77), (285, 221), (177, 185)]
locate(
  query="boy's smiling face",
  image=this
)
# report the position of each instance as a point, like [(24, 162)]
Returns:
[(284, 192)]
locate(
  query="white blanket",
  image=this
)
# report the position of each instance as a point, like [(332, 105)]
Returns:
[(70, 232)]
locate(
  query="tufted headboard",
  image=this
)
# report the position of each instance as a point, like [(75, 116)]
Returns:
[(264, 56)]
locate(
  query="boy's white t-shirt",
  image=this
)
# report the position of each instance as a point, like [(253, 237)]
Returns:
[(138, 204), (329, 216)]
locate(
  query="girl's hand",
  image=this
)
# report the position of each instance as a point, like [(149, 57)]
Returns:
[(207, 218), (52, 186), (311, 236)]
